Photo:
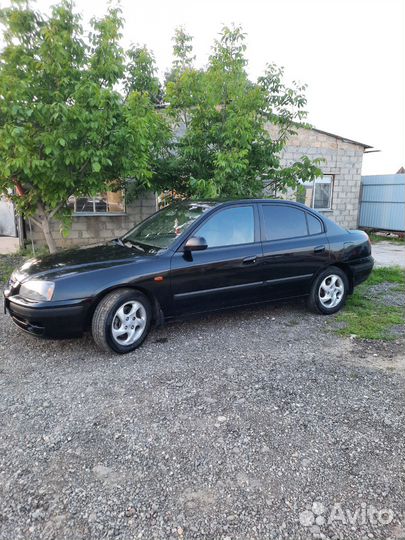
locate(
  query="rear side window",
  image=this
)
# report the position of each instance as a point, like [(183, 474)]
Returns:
[(314, 225), (282, 222)]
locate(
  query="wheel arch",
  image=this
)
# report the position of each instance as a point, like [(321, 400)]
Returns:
[(348, 271), (342, 266), (157, 313)]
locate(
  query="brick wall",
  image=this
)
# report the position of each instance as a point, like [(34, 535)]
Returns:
[(343, 160), (98, 228)]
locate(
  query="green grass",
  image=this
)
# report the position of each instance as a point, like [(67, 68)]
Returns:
[(27, 252), (387, 274), (7, 265), (370, 318), (375, 238)]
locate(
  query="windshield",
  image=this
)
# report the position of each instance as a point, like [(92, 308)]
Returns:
[(164, 227)]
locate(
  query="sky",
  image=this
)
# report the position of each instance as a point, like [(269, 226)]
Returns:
[(350, 53)]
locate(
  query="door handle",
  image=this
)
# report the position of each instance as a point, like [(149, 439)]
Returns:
[(319, 249), (250, 260)]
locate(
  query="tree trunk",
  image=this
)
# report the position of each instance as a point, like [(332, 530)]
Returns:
[(46, 229)]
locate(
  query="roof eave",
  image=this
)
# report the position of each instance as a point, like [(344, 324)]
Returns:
[(343, 139)]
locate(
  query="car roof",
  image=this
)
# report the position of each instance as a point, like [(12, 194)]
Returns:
[(218, 203), (330, 226), (225, 202)]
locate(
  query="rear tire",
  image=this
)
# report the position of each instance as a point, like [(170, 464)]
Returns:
[(329, 291), (121, 321)]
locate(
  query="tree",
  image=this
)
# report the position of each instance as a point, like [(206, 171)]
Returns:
[(65, 129), (226, 149), (183, 58), (141, 76)]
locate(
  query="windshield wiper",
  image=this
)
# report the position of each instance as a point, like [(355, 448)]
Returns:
[(133, 245), (118, 241)]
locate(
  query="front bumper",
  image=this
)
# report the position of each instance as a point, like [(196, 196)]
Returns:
[(54, 320)]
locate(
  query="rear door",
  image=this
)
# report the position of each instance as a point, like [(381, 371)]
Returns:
[(295, 248), (227, 273)]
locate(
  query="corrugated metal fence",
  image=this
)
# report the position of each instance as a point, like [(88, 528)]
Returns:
[(382, 202)]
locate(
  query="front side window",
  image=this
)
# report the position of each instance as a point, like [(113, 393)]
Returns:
[(109, 202), (282, 222), (229, 227), (318, 193)]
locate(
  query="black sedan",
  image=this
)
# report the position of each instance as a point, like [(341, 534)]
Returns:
[(190, 257)]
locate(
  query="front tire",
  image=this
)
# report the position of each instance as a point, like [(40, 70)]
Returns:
[(329, 291), (121, 321)]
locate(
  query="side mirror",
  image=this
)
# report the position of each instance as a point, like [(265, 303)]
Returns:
[(195, 243)]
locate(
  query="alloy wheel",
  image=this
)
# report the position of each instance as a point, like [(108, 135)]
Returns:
[(128, 323), (331, 291)]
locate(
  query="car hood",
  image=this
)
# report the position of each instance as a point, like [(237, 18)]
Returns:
[(79, 260)]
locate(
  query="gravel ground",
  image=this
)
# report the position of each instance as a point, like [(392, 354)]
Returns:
[(387, 293), (256, 424)]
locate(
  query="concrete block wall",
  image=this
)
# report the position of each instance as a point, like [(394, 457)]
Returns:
[(342, 159), (93, 229)]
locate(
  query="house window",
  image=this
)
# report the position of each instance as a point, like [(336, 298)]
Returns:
[(318, 194), (168, 197), (109, 202)]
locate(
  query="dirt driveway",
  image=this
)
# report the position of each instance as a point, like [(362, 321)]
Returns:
[(257, 424), (389, 254)]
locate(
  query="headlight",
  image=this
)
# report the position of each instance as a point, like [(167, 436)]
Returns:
[(13, 280), (37, 290)]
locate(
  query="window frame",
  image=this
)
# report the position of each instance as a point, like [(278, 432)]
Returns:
[(323, 229), (264, 234), (75, 213), (318, 181), (256, 225)]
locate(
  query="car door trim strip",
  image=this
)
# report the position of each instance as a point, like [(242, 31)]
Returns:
[(284, 279), (241, 286), (219, 289)]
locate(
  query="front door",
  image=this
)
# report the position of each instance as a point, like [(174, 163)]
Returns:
[(295, 249), (227, 273)]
